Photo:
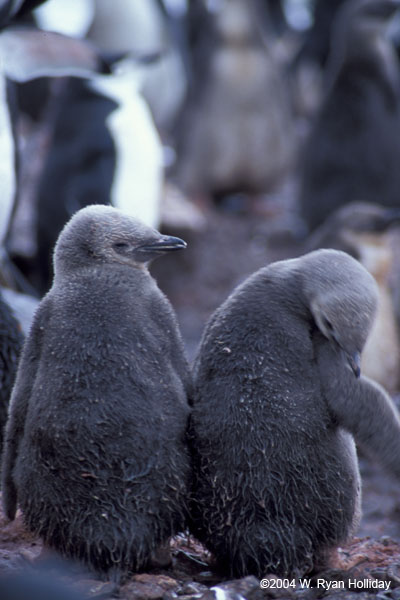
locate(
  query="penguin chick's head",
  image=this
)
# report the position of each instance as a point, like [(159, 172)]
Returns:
[(342, 297), (359, 228), (103, 234), (363, 217)]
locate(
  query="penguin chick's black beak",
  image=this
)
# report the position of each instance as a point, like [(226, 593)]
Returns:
[(355, 363), (166, 243)]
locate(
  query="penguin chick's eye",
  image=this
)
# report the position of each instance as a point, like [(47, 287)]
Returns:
[(120, 246), (328, 325), (330, 331)]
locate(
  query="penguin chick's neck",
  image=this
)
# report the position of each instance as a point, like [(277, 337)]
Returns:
[(68, 271)]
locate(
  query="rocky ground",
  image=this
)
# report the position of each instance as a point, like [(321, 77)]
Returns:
[(369, 561)]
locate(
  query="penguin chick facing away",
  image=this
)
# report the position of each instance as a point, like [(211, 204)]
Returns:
[(94, 452), (277, 400)]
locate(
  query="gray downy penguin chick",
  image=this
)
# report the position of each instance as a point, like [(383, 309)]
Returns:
[(95, 453), (276, 480), (362, 229)]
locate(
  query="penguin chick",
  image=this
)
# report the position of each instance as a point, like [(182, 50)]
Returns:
[(351, 152), (94, 453), (276, 480), (11, 340), (360, 228)]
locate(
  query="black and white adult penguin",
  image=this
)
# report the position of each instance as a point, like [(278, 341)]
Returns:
[(277, 400), (351, 152), (235, 132), (95, 452), (97, 139), (105, 149)]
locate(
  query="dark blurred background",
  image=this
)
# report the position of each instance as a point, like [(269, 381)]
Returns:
[(255, 129), (243, 126)]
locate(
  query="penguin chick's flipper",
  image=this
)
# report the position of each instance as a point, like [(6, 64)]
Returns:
[(362, 407)]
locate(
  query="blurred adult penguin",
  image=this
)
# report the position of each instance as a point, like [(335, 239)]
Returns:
[(316, 43), (101, 143), (144, 27), (352, 151), (105, 149), (235, 133), (307, 67)]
